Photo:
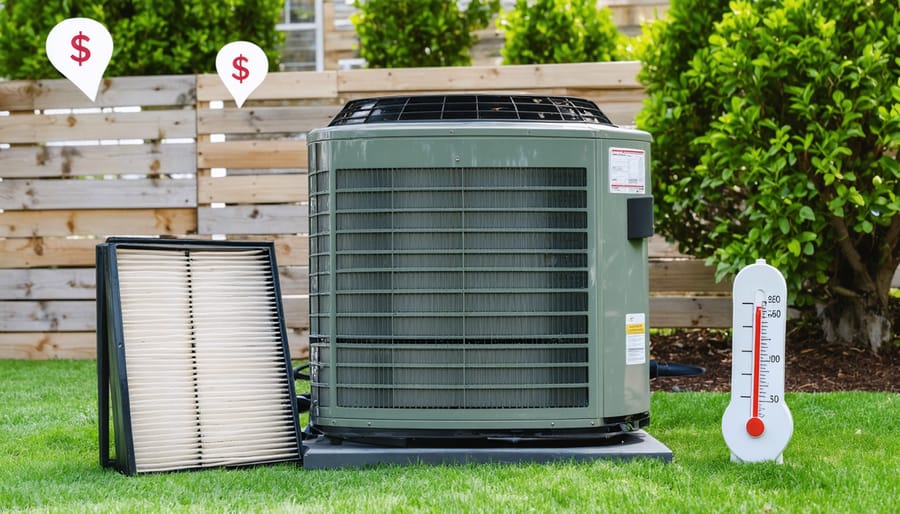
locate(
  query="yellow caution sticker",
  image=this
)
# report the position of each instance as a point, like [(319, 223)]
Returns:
[(634, 328), (635, 338)]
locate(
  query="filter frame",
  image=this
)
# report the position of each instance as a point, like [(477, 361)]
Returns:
[(112, 378)]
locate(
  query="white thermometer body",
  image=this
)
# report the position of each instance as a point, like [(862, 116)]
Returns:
[(757, 424)]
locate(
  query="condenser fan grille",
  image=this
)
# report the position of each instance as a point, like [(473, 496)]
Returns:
[(202, 356), (471, 375), (450, 288), (470, 108)]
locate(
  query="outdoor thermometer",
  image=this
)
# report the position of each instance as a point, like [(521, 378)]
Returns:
[(757, 424)]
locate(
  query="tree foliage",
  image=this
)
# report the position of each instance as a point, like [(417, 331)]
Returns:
[(777, 131), (559, 31), (150, 37), (407, 33)]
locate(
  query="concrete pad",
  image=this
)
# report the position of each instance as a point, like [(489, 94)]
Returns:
[(323, 453)]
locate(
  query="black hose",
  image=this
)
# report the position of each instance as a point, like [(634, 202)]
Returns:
[(674, 370), (299, 374), (304, 402)]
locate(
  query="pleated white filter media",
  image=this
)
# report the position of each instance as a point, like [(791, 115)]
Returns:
[(207, 382)]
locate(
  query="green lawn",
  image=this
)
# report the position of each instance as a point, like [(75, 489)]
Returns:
[(844, 457)]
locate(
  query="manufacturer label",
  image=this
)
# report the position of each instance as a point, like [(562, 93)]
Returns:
[(626, 171), (635, 338)]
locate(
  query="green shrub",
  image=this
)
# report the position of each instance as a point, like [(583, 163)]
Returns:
[(419, 33), (777, 132), (149, 37), (676, 113), (558, 31)]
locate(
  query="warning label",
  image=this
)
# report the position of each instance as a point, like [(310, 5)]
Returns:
[(626, 171), (635, 339)]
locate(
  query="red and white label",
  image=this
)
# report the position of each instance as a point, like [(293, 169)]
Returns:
[(626, 171)]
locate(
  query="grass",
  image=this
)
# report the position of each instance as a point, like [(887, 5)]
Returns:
[(844, 457)]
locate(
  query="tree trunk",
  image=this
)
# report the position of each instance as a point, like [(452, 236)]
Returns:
[(854, 321), (859, 311)]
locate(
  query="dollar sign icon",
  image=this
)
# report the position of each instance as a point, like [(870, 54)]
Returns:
[(72, 34), (243, 72), (83, 53), (241, 75)]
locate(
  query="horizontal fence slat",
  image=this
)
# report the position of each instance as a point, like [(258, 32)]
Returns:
[(42, 252), (684, 276), (50, 315), (90, 126), (659, 248), (252, 154), (621, 114), (39, 252), (158, 90), (28, 194), (690, 312), (256, 189), (296, 312), (69, 161), (264, 120), (290, 250), (298, 343), (484, 78), (48, 345), (250, 219), (294, 280), (98, 223), (292, 84), (48, 284)]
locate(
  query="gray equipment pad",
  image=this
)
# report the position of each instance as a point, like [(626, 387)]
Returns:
[(321, 453)]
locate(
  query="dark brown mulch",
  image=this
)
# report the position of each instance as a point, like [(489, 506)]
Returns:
[(812, 366)]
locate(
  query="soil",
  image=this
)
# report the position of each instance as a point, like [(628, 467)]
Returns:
[(812, 365)]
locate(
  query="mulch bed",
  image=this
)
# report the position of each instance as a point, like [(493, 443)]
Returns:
[(812, 365)]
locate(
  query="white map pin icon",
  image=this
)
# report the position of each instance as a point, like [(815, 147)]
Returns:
[(242, 66), (80, 48)]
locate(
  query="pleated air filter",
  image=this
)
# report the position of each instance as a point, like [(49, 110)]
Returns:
[(192, 356)]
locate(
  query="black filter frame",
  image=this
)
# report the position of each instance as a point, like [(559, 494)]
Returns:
[(112, 379)]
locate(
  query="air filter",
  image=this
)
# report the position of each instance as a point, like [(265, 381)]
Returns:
[(192, 357)]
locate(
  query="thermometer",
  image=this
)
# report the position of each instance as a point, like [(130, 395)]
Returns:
[(757, 424)]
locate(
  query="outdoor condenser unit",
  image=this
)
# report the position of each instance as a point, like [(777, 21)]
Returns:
[(478, 269), (192, 357)]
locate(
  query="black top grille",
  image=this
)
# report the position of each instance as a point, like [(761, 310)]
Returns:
[(470, 108)]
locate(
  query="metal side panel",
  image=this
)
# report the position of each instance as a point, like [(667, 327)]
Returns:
[(624, 287)]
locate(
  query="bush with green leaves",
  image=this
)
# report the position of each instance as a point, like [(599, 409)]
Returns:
[(559, 31), (419, 33), (777, 131), (149, 37)]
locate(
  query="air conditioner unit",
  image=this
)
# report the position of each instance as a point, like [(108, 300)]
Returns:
[(478, 268)]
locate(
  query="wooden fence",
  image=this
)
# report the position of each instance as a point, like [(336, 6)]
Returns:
[(171, 155)]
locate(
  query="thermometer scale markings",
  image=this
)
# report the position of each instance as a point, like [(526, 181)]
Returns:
[(747, 350), (755, 425)]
